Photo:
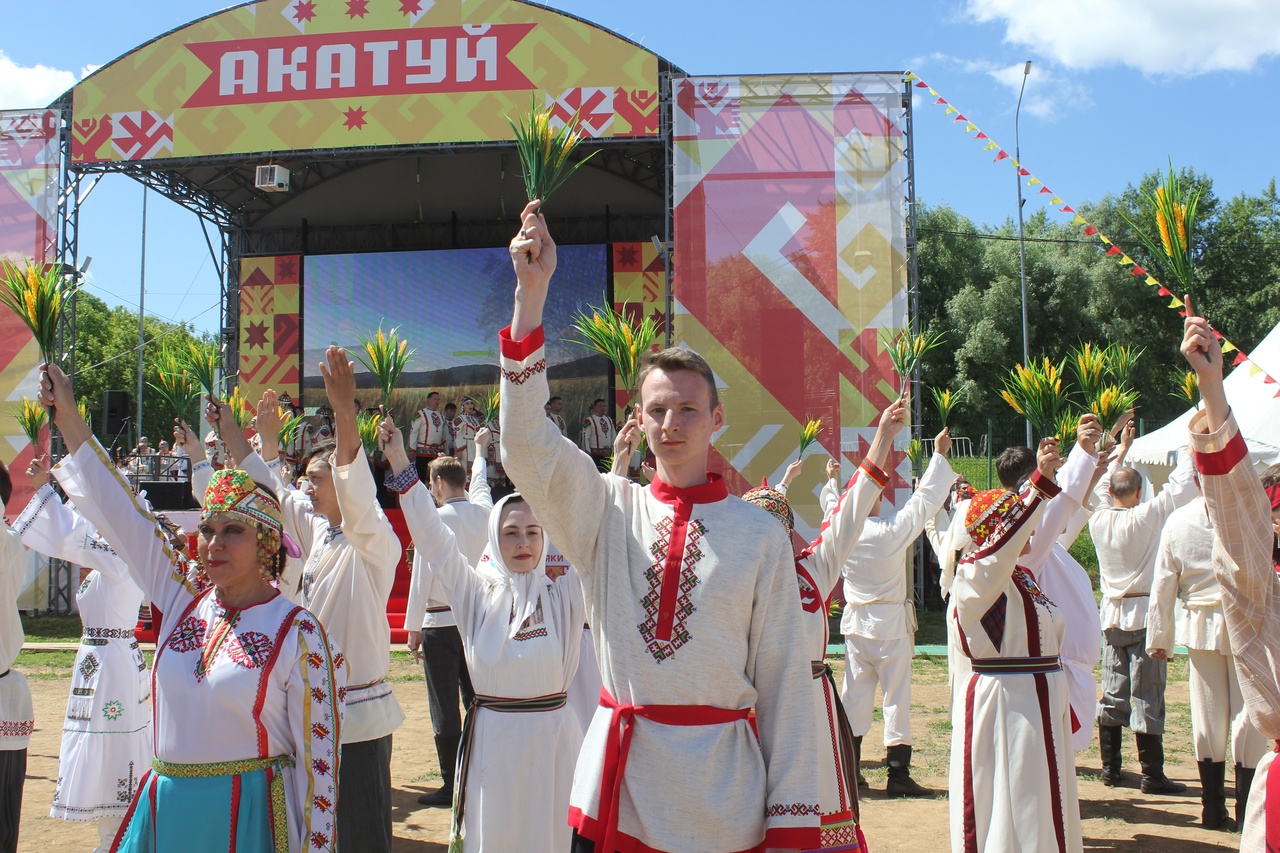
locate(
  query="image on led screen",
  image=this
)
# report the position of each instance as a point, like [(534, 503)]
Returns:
[(449, 304)]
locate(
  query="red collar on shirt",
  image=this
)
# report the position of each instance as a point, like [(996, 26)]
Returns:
[(706, 493)]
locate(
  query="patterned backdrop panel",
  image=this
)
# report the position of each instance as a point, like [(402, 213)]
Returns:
[(29, 168), (270, 343), (640, 291), (790, 262)]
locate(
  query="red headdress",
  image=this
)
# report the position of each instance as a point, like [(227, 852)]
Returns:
[(986, 509)]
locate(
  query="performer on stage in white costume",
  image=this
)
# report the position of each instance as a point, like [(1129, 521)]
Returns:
[(430, 621), (429, 434), (554, 407), (1126, 534), (879, 619), (1013, 776), (247, 709), (106, 738), (520, 629), (598, 433), (464, 429), (818, 571), (692, 594), (351, 555)]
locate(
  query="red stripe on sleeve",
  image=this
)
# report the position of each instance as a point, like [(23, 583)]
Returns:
[(1222, 461), (521, 349)]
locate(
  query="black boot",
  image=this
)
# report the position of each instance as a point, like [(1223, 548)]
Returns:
[(1109, 741), (1213, 795), (1151, 757), (900, 782), (857, 763), (1244, 782), (447, 750)]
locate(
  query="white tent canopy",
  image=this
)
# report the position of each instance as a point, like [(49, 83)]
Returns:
[(1253, 401)]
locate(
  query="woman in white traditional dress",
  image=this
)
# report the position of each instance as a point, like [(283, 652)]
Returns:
[(818, 572), (106, 738), (1013, 778), (520, 631), (247, 689)]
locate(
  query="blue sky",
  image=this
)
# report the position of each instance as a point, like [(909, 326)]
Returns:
[(1118, 87)]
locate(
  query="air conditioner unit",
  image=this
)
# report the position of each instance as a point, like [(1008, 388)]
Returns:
[(272, 179)]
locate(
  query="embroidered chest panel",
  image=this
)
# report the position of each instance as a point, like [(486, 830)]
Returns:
[(194, 635), (1028, 584), (533, 627), (663, 649)]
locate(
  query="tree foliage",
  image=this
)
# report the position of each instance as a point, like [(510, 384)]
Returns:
[(970, 290)]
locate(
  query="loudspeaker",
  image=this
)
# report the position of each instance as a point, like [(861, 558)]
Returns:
[(115, 408)]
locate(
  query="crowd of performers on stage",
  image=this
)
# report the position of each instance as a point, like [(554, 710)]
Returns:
[(641, 664)]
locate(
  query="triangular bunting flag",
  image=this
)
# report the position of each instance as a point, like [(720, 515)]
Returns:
[(950, 110), (990, 146), (1125, 261), (1104, 238), (1056, 200), (1138, 270), (1002, 155), (922, 85), (1090, 231), (941, 100), (1267, 380), (1227, 346), (1023, 171), (1164, 291), (1017, 165), (1216, 333), (1080, 220), (1151, 281), (931, 92), (1046, 191), (1254, 370), (1239, 359), (1114, 250), (1277, 394), (1034, 180), (910, 76), (959, 117), (970, 127), (1182, 313), (982, 135), (1175, 303), (1069, 209)]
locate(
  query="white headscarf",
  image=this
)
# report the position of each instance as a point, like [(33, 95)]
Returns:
[(526, 587)]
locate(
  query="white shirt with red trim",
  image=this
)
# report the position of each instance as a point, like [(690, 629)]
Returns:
[(598, 433), (691, 594), (429, 434)]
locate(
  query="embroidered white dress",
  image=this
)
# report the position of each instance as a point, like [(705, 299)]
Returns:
[(106, 737), (520, 766), (1013, 777), (229, 686), (691, 595)]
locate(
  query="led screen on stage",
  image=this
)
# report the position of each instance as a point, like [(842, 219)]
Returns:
[(449, 305)]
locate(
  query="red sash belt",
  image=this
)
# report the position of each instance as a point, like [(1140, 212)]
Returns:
[(1273, 803), (618, 744)]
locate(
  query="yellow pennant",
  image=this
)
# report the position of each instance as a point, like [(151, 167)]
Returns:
[(1015, 163), (1151, 281), (1056, 200), (1103, 237), (1080, 220), (990, 146), (910, 77), (1125, 261), (931, 92), (1034, 180), (1254, 370), (970, 127), (950, 110), (1227, 346), (1175, 303)]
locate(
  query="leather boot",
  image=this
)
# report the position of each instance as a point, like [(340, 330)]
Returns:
[(1151, 757), (447, 750), (1244, 782), (857, 763), (900, 782), (1109, 741), (1213, 796)]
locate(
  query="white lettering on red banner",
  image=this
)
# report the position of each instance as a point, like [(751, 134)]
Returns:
[(354, 65)]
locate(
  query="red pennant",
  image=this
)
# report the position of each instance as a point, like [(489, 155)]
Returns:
[(1114, 250), (1002, 155), (1046, 191), (1266, 378), (922, 85), (1182, 312), (1090, 231), (941, 100), (1217, 334), (1137, 270), (1240, 357), (959, 118), (1278, 394), (980, 135), (1066, 208), (1164, 291), (1024, 171)]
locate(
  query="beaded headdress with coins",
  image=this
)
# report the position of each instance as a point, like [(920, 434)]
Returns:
[(234, 493)]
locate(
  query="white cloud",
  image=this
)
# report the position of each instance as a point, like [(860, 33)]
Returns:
[(1048, 93), (31, 86), (1178, 38)]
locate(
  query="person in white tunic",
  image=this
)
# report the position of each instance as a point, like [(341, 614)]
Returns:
[(433, 634), (1126, 535), (247, 707), (1013, 778), (818, 568), (464, 429), (879, 619), (106, 738), (429, 434), (520, 630), (17, 719), (1184, 571), (691, 594), (351, 555), (598, 433)]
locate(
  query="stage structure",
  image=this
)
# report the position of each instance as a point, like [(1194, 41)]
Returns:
[(766, 221)]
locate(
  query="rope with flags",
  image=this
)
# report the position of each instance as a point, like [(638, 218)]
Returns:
[(1111, 249)]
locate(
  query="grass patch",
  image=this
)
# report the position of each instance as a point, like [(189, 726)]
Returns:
[(52, 628)]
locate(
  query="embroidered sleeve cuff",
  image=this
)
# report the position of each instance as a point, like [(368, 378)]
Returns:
[(402, 482), (521, 349), (879, 477), (1042, 484), (1218, 452)]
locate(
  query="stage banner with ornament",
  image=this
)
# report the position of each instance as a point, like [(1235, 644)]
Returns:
[(30, 157), (791, 264), (270, 339), (639, 291), (296, 75)]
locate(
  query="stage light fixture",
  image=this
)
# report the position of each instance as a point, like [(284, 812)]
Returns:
[(272, 179)]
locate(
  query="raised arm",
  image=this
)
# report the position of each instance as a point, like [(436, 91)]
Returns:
[(478, 491), (315, 688), (560, 482), (50, 527), (624, 444), (107, 502)]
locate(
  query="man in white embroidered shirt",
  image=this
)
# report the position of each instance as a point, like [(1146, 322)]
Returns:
[(692, 593)]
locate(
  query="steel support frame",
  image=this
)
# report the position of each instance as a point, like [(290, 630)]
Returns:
[(913, 304)]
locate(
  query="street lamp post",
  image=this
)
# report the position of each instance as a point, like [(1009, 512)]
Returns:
[(1022, 246)]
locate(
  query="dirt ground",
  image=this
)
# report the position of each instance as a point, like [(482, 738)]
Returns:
[(1114, 819)]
